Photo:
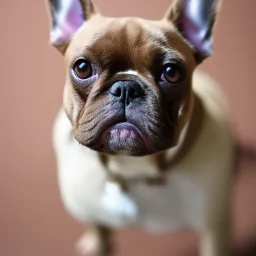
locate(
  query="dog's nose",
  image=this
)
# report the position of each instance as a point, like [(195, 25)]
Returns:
[(126, 90)]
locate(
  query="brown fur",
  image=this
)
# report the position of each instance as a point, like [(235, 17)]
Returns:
[(148, 39)]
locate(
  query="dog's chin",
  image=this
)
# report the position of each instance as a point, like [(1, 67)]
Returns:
[(124, 138)]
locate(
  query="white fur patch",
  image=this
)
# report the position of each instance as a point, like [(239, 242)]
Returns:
[(130, 72), (117, 203), (180, 113)]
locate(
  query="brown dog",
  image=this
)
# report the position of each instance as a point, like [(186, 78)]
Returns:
[(142, 140)]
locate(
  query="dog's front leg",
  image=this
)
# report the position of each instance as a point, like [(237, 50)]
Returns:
[(95, 242), (215, 241), (215, 236)]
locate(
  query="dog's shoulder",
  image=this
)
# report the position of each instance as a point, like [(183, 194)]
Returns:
[(212, 155)]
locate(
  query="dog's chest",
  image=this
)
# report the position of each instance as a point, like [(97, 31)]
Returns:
[(160, 207), (176, 204)]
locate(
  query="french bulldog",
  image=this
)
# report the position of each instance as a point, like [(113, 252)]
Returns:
[(143, 138)]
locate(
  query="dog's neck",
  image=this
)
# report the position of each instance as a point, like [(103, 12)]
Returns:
[(154, 166), (151, 166)]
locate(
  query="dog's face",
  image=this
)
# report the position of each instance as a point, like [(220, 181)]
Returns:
[(128, 87), (128, 91)]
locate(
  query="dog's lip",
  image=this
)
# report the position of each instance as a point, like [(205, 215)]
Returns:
[(125, 126)]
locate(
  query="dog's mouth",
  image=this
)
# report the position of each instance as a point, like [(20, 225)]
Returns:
[(123, 137)]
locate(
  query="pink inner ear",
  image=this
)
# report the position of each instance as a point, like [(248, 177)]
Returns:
[(196, 25), (68, 20), (196, 37)]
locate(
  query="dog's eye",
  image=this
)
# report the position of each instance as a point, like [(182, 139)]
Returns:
[(172, 73), (82, 69)]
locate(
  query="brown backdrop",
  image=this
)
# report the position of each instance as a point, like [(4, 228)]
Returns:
[(32, 219)]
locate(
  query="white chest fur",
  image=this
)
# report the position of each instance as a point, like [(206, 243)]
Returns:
[(184, 201)]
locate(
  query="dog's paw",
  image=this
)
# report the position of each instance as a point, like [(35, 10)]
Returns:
[(89, 245), (119, 205)]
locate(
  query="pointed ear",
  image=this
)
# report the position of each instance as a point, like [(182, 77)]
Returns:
[(194, 19), (67, 16)]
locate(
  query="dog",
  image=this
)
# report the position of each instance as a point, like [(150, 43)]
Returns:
[(143, 138)]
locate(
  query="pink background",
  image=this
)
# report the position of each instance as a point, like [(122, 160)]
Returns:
[(33, 221)]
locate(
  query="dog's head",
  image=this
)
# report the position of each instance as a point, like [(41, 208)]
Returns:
[(128, 86)]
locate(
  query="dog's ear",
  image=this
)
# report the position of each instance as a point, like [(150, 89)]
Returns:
[(194, 19), (67, 16)]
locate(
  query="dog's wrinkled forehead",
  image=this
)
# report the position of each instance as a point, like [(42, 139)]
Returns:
[(132, 43), (193, 21)]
